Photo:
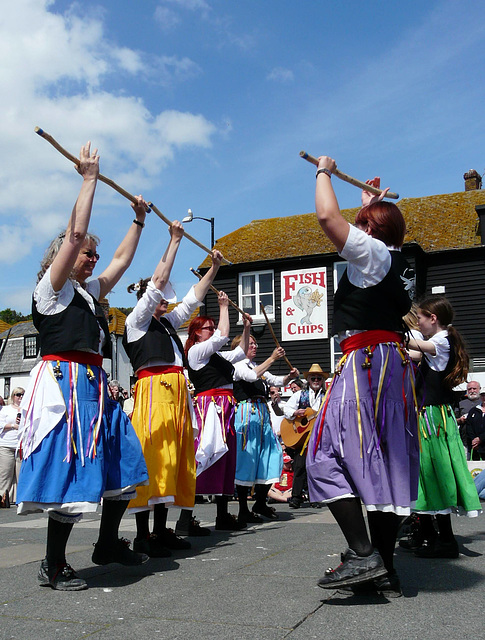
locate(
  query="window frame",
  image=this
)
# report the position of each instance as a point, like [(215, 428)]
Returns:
[(258, 317), (27, 350)]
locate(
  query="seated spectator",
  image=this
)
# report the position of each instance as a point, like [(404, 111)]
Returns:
[(281, 491)]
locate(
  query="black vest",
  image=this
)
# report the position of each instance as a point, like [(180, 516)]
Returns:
[(430, 389), (381, 306), (74, 329), (246, 390), (154, 345), (216, 373)]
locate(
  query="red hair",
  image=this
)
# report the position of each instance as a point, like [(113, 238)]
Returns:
[(196, 325), (385, 222)]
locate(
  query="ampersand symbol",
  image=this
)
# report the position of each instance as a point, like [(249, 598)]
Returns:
[(290, 311)]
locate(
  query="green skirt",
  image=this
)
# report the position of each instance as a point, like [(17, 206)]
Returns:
[(445, 483)]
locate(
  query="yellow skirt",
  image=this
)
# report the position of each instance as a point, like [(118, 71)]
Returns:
[(162, 422)]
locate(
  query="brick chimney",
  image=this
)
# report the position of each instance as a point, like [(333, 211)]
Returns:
[(473, 180)]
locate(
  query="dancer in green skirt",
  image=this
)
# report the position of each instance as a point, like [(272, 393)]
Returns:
[(445, 484)]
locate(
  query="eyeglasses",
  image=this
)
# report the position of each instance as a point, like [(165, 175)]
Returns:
[(315, 378), (211, 329), (90, 254), (253, 344)]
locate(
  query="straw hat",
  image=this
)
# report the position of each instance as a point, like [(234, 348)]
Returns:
[(316, 369)]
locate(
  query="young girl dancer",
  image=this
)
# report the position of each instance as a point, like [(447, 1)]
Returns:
[(445, 484)]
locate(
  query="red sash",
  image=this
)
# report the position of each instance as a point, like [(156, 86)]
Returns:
[(82, 357), (217, 392), (367, 338), (158, 371)]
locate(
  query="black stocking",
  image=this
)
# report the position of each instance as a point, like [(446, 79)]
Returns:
[(383, 527), (261, 493), (242, 497), (113, 511), (185, 518), (57, 537), (348, 514), (221, 503), (444, 527), (142, 524), (160, 513)]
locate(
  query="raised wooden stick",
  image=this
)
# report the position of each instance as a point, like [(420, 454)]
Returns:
[(273, 334), (349, 179), (216, 291), (119, 189)]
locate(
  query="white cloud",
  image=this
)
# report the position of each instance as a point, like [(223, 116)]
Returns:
[(280, 74), (53, 72)]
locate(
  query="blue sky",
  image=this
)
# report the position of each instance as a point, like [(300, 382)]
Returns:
[(205, 104)]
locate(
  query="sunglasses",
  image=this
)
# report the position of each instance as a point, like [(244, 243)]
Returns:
[(19, 395), (315, 378), (91, 254)]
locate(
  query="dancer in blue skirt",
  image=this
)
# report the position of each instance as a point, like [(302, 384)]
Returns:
[(77, 445)]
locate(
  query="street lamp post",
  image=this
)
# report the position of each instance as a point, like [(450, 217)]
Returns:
[(190, 217)]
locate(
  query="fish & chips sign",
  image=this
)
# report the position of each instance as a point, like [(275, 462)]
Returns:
[(304, 304)]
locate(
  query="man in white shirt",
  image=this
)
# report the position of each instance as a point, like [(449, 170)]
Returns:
[(295, 408)]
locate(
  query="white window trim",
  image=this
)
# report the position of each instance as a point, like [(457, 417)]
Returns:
[(258, 317)]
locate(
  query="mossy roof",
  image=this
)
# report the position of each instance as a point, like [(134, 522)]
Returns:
[(436, 223)]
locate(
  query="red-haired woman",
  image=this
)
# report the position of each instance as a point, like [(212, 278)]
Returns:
[(364, 445), (211, 373)]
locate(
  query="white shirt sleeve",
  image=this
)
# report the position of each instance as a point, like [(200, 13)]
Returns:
[(243, 372), (291, 405), (200, 353), (184, 310), (369, 259), (50, 302), (439, 361)]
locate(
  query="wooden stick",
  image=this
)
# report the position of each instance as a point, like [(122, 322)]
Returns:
[(233, 304), (119, 189), (349, 179), (273, 334)]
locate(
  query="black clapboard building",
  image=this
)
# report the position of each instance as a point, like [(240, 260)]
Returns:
[(444, 244)]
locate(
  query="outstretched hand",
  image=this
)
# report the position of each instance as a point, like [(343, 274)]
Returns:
[(217, 258), (278, 353), (88, 165), (140, 208), (247, 320), (369, 198), (223, 299), (176, 230)]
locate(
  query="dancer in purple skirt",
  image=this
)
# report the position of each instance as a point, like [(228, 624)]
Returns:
[(211, 373), (364, 445)]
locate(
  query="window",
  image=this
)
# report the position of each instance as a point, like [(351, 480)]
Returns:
[(256, 288), (336, 352), (31, 346)]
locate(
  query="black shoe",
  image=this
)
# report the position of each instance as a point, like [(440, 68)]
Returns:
[(353, 570), (389, 585), (62, 577), (266, 511), (295, 502), (249, 517), (438, 549), (170, 540), (411, 543), (119, 552), (194, 529), (228, 522), (316, 505), (151, 546)]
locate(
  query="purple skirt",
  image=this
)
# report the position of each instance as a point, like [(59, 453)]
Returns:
[(365, 439), (215, 414)]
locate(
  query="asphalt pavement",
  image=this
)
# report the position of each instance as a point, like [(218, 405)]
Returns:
[(257, 584)]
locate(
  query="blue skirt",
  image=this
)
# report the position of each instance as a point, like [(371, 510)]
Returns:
[(259, 455), (75, 463)]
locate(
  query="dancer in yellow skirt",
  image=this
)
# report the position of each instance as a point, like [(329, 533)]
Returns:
[(162, 411)]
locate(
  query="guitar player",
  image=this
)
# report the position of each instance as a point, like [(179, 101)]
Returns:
[(312, 397)]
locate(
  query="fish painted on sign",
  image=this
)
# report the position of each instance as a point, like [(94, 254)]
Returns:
[(307, 299)]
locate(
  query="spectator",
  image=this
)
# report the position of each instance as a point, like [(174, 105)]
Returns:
[(275, 406), (471, 400), (281, 491), (475, 431), (116, 392), (9, 436)]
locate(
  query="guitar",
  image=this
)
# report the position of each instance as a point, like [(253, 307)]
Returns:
[(294, 431)]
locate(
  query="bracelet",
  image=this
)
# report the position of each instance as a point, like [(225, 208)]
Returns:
[(140, 224), (326, 171)]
